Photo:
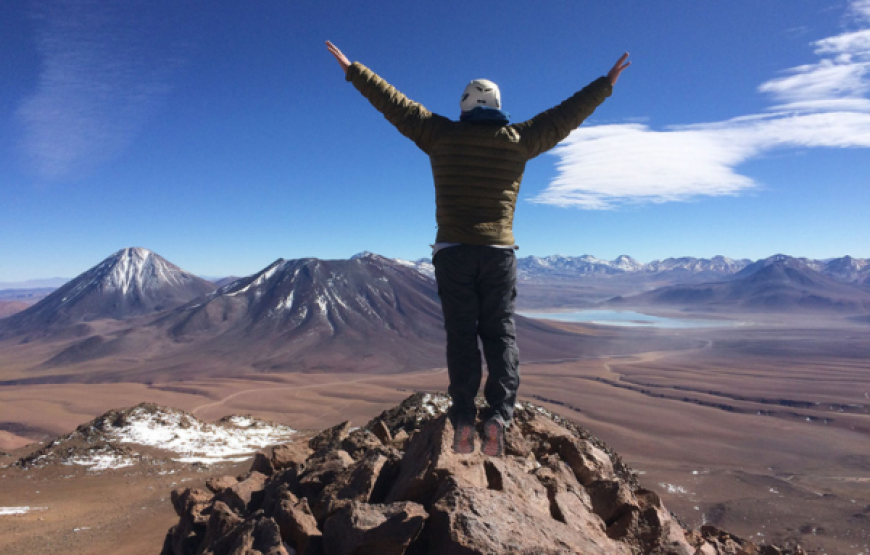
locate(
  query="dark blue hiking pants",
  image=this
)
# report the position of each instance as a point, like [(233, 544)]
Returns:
[(478, 289)]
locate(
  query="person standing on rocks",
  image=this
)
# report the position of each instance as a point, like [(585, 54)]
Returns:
[(477, 165)]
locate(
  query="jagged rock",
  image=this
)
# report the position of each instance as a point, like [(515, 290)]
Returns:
[(321, 471), (729, 544), (359, 442), (221, 522), (518, 483), (217, 484), (515, 443), (483, 521), (290, 455), (430, 460), (357, 484), (245, 496), (330, 438), (652, 529), (258, 536), (262, 464), (361, 528), (569, 502), (297, 524), (186, 536), (400, 439), (558, 490), (589, 463), (382, 432)]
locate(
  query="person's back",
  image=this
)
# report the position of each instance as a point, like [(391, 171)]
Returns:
[(477, 166)]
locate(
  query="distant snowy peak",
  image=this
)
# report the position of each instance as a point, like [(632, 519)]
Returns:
[(848, 269), (133, 269), (627, 264), (718, 265), (587, 265), (131, 282)]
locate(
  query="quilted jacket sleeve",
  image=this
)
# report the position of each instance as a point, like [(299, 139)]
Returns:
[(412, 119), (544, 131)]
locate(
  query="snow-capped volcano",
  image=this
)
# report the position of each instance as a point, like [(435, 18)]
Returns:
[(304, 308), (131, 282), (369, 312)]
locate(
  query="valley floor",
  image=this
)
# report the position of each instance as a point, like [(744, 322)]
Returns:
[(761, 430)]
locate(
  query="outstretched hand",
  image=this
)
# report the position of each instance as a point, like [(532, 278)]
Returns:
[(620, 66), (342, 59)]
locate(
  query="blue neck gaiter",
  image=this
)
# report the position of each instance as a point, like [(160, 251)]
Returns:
[(485, 114)]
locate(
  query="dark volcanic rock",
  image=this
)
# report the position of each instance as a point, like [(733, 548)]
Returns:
[(558, 490)]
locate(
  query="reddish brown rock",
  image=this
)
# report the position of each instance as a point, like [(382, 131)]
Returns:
[(262, 464), (190, 502), (297, 524), (569, 502), (515, 481), (322, 471), (430, 460), (330, 438), (360, 442), (190, 505), (654, 530), (290, 455), (254, 537), (217, 484), (589, 463), (360, 528), (612, 501), (221, 523), (245, 496), (558, 490), (357, 484), (472, 521)]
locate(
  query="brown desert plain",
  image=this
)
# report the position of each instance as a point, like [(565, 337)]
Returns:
[(759, 427)]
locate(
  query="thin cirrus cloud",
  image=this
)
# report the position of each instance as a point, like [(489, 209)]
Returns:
[(823, 104), (99, 82)]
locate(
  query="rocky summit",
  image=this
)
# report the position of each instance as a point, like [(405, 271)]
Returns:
[(394, 486)]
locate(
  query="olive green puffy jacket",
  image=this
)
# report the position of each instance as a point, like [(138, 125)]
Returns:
[(477, 167)]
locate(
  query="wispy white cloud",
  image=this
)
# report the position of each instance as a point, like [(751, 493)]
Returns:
[(100, 80), (824, 104)]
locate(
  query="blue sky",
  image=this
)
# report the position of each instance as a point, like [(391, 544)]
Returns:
[(222, 135)]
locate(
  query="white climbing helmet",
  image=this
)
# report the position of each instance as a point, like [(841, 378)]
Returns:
[(480, 92)]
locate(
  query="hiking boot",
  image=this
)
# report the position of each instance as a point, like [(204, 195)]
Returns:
[(493, 438), (463, 438)]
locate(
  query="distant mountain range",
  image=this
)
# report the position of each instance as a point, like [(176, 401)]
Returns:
[(776, 284), (368, 312), (845, 269)]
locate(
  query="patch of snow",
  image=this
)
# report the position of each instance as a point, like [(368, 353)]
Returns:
[(100, 460), (671, 488), (197, 441), (4, 511)]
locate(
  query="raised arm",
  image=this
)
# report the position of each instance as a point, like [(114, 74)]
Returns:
[(547, 129), (339, 56), (617, 69), (411, 118)]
